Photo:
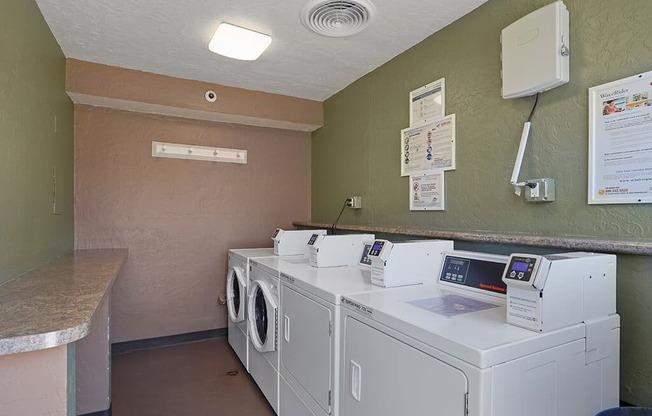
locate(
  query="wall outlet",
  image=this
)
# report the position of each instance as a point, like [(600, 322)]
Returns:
[(355, 202), (541, 190)]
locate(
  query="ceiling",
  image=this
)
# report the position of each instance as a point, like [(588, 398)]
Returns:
[(171, 37)]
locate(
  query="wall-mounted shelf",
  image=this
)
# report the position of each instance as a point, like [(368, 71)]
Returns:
[(187, 151)]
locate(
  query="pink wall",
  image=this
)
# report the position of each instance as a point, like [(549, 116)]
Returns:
[(179, 217), (35, 383)]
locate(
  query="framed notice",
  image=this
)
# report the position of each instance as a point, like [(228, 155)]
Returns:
[(620, 141), (427, 192), (427, 103), (428, 147)]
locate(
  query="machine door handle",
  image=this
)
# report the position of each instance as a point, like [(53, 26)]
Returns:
[(286, 328), (356, 380)]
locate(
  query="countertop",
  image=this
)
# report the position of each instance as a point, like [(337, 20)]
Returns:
[(575, 243), (53, 304)]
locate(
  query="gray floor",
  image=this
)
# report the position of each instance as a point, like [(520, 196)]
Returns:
[(190, 379)]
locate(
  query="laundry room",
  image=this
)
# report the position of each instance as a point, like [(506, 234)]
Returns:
[(144, 161)]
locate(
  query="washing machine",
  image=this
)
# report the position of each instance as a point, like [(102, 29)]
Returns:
[(264, 312), (237, 280), (448, 349), (262, 321), (287, 243)]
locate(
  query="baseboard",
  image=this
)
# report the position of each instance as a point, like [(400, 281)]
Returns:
[(146, 344), (100, 413)]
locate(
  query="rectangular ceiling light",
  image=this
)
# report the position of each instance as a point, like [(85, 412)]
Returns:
[(239, 43)]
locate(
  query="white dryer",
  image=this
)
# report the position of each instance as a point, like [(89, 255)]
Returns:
[(447, 348), (262, 321), (310, 322), (309, 336), (237, 280)]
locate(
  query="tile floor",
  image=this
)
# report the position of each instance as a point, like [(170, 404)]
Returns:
[(189, 379)]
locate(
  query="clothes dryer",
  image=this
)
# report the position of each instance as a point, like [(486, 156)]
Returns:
[(447, 348), (309, 335), (310, 324)]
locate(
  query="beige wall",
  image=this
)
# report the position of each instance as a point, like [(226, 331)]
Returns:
[(126, 89), (179, 217), (35, 383)]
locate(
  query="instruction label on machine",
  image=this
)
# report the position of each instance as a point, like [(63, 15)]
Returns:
[(524, 310)]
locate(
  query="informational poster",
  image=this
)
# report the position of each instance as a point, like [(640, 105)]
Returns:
[(427, 103), (428, 147), (427, 192), (620, 141)]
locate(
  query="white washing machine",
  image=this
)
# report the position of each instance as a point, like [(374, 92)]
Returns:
[(237, 280), (447, 348), (262, 321), (287, 243)]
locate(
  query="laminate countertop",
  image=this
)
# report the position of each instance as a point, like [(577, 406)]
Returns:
[(641, 247), (53, 304)]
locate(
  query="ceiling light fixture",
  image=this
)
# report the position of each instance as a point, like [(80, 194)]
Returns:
[(238, 43)]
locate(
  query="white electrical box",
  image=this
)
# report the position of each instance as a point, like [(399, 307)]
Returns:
[(337, 250), (535, 52), (293, 242), (407, 263)]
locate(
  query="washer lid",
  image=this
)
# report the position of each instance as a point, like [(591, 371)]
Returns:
[(481, 336)]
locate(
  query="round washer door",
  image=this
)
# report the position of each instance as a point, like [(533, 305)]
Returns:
[(262, 316), (236, 294)]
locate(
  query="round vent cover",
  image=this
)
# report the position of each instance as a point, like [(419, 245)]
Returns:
[(337, 18)]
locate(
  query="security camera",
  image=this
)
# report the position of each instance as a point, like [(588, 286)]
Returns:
[(210, 96)]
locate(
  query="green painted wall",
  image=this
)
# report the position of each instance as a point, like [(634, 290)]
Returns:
[(32, 77), (357, 152)]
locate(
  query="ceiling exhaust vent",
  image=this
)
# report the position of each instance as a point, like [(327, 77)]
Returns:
[(337, 18)]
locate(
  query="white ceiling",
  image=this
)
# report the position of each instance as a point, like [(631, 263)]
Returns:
[(171, 37)]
